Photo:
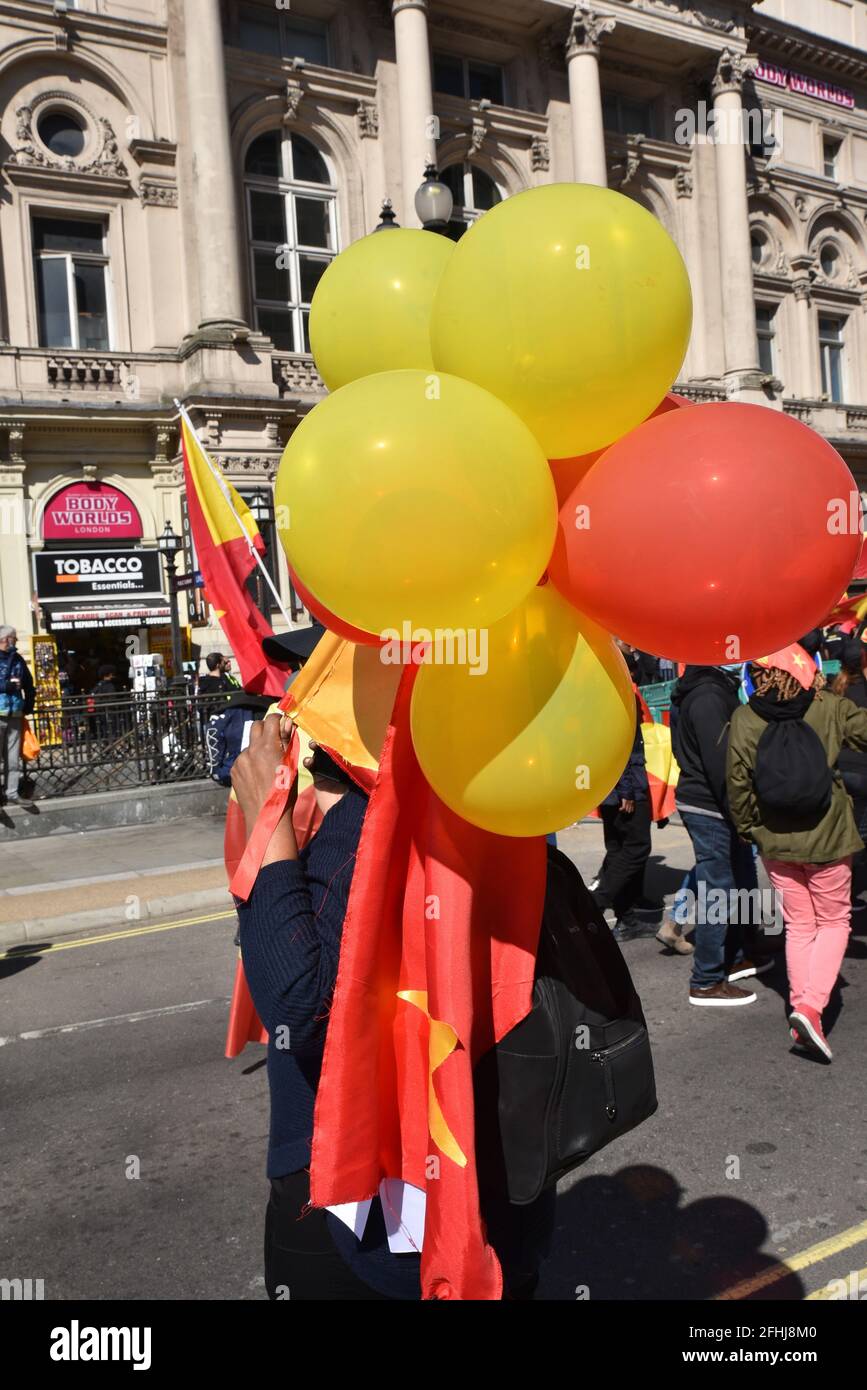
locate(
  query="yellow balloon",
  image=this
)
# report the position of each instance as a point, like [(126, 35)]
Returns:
[(536, 740), (411, 500), (371, 309), (572, 304)]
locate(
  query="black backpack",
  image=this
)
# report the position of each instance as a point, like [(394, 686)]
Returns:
[(791, 777), (577, 1072)]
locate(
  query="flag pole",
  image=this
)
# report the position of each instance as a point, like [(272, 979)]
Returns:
[(223, 486)]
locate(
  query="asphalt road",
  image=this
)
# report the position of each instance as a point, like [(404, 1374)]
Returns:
[(750, 1180)]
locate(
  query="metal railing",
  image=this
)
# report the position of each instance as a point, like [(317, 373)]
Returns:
[(97, 743)]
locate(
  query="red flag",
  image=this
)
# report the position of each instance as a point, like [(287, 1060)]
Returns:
[(223, 530), (436, 964)]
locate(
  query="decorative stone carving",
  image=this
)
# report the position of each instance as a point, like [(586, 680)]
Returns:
[(164, 438), (540, 153), (247, 463), (368, 120), (15, 442), (158, 195), (802, 207), (626, 166), (683, 183), (732, 70), (477, 132), (293, 96), (105, 159), (213, 428), (586, 29)]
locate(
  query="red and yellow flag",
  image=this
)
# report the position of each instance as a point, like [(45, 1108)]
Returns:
[(223, 530)]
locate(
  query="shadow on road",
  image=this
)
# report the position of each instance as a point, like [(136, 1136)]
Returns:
[(630, 1235), (18, 958)]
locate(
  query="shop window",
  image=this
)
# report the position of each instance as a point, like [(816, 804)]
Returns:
[(766, 335), (464, 77), (831, 356), (474, 192), (281, 34), (71, 270), (627, 117), (292, 224)]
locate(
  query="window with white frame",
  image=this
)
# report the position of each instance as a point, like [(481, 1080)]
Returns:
[(831, 347), (626, 116), (474, 192), (766, 334), (71, 271), (831, 148), (292, 224)]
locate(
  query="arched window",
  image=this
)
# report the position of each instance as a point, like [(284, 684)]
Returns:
[(292, 222), (474, 192)]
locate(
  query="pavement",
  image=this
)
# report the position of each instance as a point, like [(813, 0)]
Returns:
[(64, 884), (134, 1153)]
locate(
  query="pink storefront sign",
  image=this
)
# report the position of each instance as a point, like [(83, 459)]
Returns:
[(91, 511)]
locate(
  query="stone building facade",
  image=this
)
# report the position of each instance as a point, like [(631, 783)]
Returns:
[(176, 174)]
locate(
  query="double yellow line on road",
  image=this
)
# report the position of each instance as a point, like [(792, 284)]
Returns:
[(16, 952), (823, 1250)]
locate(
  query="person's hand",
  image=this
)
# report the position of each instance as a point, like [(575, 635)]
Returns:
[(626, 805), (260, 767)]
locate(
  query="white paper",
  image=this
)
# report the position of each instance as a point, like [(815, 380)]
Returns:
[(403, 1207)]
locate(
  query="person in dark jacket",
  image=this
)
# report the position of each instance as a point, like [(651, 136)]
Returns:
[(218, 681), (626, 823), (17, 698), (705, 699), (291, 928), (228, 732)]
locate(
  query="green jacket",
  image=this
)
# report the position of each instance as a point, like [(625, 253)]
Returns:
[(838, 722)]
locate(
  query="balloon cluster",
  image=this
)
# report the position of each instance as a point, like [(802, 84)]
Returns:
[(500, 470)]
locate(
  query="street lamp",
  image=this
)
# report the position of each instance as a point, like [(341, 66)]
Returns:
[(433, 201), (262, 512), (387, 217), (169, 545)]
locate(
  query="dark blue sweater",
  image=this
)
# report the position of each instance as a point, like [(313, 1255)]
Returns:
[(290, 943)]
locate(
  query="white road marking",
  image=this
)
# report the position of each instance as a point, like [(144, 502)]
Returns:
[(116, 1018)]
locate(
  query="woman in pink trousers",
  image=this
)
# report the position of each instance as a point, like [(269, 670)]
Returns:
[(787, 797)]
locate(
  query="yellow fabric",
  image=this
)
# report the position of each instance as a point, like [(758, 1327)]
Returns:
[(343, 698), (658, 756), (215, 509), (442, 1042)]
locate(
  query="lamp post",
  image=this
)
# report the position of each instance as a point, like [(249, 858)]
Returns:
[(262, 512), (433, 202), (169, 544), (387, 217)]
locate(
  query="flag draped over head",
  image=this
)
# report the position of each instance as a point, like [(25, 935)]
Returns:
[(223, 532), (794, 661)]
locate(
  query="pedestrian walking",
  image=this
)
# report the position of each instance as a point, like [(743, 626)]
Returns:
[(17, 697), (219, 680), (705, 699), (625, 814), (787, 796), (851, 682)]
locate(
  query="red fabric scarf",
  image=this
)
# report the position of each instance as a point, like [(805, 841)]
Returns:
[(439, 907)]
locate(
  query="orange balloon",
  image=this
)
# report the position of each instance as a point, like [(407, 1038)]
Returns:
[(715, 534)]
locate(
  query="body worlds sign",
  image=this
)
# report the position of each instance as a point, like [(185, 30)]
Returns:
[(72, 575), (91, 511), (809, 86)]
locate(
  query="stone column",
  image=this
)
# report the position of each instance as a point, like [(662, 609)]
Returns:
[(736, 262), (215, 208), (15, 582), (415, 100), (585, 94), (807, 381)]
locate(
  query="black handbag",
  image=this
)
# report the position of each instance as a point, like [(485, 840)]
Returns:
[(577, 1072)]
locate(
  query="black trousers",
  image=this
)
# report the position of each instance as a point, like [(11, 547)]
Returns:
[(627, 850), (301, 1260)]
